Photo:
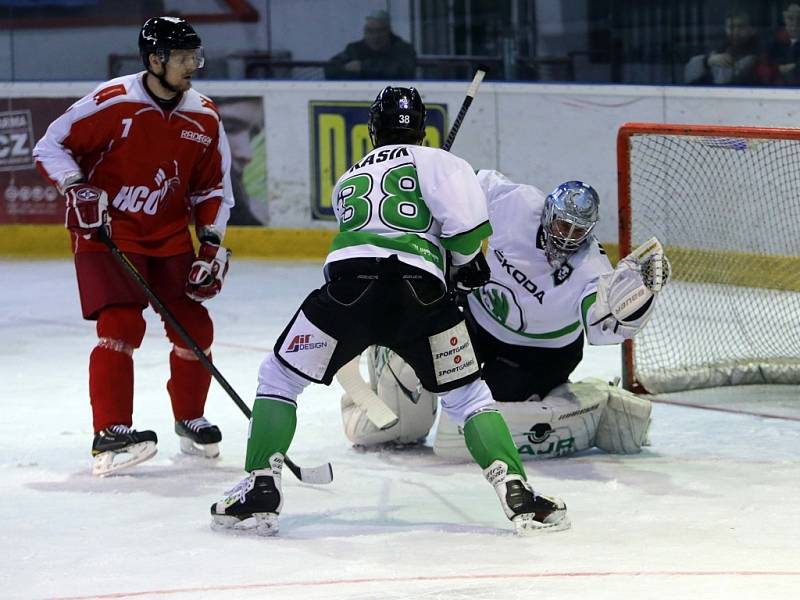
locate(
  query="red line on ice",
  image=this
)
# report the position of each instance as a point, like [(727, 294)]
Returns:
[(323, 582), (735, 411)]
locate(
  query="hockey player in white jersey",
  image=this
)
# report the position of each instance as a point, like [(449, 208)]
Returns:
[(400, 209), (551, 285)]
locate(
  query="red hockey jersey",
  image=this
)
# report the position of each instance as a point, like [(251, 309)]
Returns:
[(158, 168)]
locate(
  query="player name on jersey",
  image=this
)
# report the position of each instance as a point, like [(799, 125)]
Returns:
[(379, 157)]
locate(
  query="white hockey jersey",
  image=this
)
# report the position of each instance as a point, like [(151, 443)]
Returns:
[(527, 302), (411, 201)]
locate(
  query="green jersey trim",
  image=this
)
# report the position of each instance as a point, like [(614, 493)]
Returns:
[(407, 242), (468, 242), (586, 304), (549, 335)]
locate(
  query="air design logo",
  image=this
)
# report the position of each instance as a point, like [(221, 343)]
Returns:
[(303, 342)]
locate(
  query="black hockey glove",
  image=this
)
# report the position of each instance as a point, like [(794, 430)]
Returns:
[(471, 275)]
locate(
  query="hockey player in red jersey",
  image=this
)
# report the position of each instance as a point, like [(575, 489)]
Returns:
[(143, 155)]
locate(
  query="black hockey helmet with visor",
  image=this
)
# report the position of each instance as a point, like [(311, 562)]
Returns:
[(161, 35), (571, 212), (397, 116)]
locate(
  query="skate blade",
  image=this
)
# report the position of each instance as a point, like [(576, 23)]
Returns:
[(525, 525), (194, 449), (265, 524), (108, 463)]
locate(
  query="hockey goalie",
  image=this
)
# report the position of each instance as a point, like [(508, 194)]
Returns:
[(550, 287)]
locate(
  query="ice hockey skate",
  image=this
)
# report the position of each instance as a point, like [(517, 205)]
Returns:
[(198, 437), (254, 503), (529, 512), (119, 447)]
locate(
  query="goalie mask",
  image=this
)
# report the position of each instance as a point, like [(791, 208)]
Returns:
[(570, 213), (397, 116)]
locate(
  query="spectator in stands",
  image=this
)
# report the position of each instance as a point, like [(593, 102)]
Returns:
[(380, 55), (783, 51), (735, 62)]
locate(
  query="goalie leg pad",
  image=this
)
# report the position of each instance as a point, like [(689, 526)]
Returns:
[(565, 422), (398, 389), (625, 422)]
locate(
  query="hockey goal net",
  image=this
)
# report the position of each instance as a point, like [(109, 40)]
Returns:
[(725, 203)]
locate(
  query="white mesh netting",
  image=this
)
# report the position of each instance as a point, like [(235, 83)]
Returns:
[(727, 210)]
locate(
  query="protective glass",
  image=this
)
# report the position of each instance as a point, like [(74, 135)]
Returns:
[(192, 58)]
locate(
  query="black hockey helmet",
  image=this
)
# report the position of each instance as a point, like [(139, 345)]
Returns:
[(159, 35), (397, 117)]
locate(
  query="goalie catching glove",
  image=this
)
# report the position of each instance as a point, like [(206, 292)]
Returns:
[(208, 271), (87, 209), (626, 295)]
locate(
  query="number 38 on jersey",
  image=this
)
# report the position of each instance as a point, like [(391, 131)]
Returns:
[(396, 200)]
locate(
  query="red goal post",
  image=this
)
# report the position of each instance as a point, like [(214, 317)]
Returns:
[(725, 203)]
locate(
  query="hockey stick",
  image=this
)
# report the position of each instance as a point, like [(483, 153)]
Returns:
[(322, 473), (349, 376), (471, 91)]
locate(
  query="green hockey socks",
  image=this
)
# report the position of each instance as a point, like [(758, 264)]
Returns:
[(272, 427), (488, 440)]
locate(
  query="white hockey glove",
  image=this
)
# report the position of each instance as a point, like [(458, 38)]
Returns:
[(626, 295)]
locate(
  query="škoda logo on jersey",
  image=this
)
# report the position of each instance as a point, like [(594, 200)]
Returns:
[(303, 342), (141, 198)]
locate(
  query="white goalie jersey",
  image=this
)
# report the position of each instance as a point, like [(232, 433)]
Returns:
[(527, 302)]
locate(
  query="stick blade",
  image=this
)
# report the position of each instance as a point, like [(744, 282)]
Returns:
[(320, 475)]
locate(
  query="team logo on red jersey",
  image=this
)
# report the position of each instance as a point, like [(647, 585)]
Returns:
[(303, 342), (141, 198)]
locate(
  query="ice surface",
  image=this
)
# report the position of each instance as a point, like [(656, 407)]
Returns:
[(710, 510)]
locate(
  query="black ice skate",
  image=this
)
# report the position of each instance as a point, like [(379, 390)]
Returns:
[(119, 446), (528, 511), (199, 437), (254, 503)]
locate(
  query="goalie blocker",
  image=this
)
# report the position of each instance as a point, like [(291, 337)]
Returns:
[(573, 417)]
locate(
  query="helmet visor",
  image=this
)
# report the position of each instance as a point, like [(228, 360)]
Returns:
[(193, 58)]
